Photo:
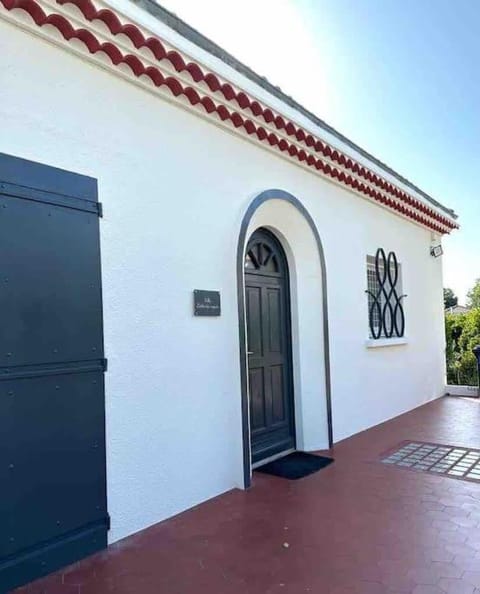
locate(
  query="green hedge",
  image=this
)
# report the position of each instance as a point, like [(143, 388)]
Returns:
[(463, 334)]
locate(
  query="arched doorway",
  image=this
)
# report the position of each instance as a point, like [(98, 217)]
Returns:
[(269, 353), (280, 210)]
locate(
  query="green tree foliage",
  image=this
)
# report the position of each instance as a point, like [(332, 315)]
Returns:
[(463, 334), (449, 298), (473, 296)]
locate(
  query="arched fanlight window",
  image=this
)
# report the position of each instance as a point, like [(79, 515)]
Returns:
[(261, 258)]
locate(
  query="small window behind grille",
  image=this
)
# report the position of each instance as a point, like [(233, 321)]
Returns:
[(377, 312)]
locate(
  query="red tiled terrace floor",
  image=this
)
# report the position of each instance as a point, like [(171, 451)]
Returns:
[(358, 526)]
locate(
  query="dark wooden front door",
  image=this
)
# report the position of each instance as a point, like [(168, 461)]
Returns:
[(53, 507), (272, 426)]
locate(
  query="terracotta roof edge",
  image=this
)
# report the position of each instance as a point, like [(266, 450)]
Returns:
[(194, 36)]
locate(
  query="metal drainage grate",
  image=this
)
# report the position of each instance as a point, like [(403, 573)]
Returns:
[(438, 459)]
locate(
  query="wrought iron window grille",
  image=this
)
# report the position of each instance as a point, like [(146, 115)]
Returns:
[(386, 315)]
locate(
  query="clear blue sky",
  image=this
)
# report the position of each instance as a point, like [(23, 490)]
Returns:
[(400, 78)]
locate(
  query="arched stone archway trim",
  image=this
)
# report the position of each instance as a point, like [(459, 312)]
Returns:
[(275, 194)]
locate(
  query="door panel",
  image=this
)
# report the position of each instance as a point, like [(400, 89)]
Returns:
[(254, 316), (274, 319), (276, 378), (53, 508), (268, 337), (256, 377)]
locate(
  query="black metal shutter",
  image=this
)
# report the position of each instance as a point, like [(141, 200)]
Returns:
[(53, 507)]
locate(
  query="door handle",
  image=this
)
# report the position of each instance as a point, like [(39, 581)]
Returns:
[(250, 353)]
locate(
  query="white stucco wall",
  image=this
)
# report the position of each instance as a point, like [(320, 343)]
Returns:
[(175, 190)]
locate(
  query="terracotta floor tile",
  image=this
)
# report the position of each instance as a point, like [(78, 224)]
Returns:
[(356, 527), (427, 590), (456, 586)]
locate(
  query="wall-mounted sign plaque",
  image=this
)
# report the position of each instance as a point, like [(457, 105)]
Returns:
[(206, 303)]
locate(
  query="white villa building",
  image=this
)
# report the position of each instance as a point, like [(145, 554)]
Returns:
[(257, 282)]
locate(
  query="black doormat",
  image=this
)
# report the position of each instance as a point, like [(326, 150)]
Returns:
[(295, 466)]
